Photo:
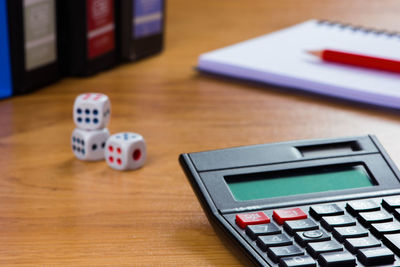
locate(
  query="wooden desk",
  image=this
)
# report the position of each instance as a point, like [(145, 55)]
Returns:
[(57, 210)]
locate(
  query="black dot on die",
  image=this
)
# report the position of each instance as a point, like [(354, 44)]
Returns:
[(103, 145), (87, 111), (94, 147)]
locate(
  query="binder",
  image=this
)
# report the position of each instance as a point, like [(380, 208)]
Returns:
[(29, 46), (5, 64), (87, 36), (281, 58), (140, 28)]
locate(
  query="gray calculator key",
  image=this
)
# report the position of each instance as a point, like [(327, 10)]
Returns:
[(266, 241), (375, 256), (299, 225), (298, 261), (306, 237), (262, 229), (379, 229), (392, 242), (357, 206), (323, 247), (396, 214), (275, 253), (341, 233), (380, 216), (354, 244), (337, 221), (391, 203), (340, 259), (318, 211)]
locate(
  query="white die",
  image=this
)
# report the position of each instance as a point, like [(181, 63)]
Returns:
[(89, 145), (91, 111), (125, 151)]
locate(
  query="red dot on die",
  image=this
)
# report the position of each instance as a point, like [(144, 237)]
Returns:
[(110, 148), (119, 150), (137, 154), (111, 159), (119, 161)]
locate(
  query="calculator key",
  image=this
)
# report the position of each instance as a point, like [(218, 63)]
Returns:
[(355, 207), (334, 259), (300, 225), (323, 247), (319, 211), (380, 216), (392, 242), (245, 219), (337, 221), (396, 214), (275, 253), (391, 203), (266, 241), (298, 261), (311, 236), (379, 229), (341, 233), (262, 229), (282, 215), (375, 256), (354, 244)]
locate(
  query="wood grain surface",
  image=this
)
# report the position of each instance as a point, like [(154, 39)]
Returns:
[(57, 210)]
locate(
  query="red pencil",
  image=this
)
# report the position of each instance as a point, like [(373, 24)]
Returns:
[(358, 60)]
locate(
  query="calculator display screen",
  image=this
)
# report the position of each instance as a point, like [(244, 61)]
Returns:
[(299, 181)]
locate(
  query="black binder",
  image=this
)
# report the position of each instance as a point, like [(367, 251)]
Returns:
[(87, 36), (32, 36), (140, 28)]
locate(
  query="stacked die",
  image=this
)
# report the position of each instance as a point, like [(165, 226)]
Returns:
[(91, 115)]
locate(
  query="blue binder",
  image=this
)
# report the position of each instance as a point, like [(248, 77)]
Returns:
[(5, 65)]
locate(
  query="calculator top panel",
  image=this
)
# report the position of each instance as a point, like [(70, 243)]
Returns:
[(292, 173)]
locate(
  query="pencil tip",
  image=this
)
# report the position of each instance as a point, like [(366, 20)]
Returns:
[(317, 53)]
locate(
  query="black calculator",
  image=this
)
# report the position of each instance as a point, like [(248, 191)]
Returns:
[(330, 202)]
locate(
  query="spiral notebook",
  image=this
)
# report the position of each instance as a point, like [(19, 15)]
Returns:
[(280, 58)]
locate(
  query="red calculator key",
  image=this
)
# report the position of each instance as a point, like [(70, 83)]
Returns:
[(280, 216), (251, 218)]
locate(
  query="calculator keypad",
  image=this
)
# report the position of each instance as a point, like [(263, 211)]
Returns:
[(354, 233)]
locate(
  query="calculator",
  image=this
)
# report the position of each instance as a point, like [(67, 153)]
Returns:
[(330, 202)]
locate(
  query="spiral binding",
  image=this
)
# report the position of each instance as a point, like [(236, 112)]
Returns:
[(359, 28)]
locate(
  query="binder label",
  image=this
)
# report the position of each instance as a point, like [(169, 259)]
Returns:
[(147, 17), (39, 33), (100, 23)]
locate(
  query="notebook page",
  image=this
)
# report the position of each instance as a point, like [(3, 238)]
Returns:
[(280, 58)]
